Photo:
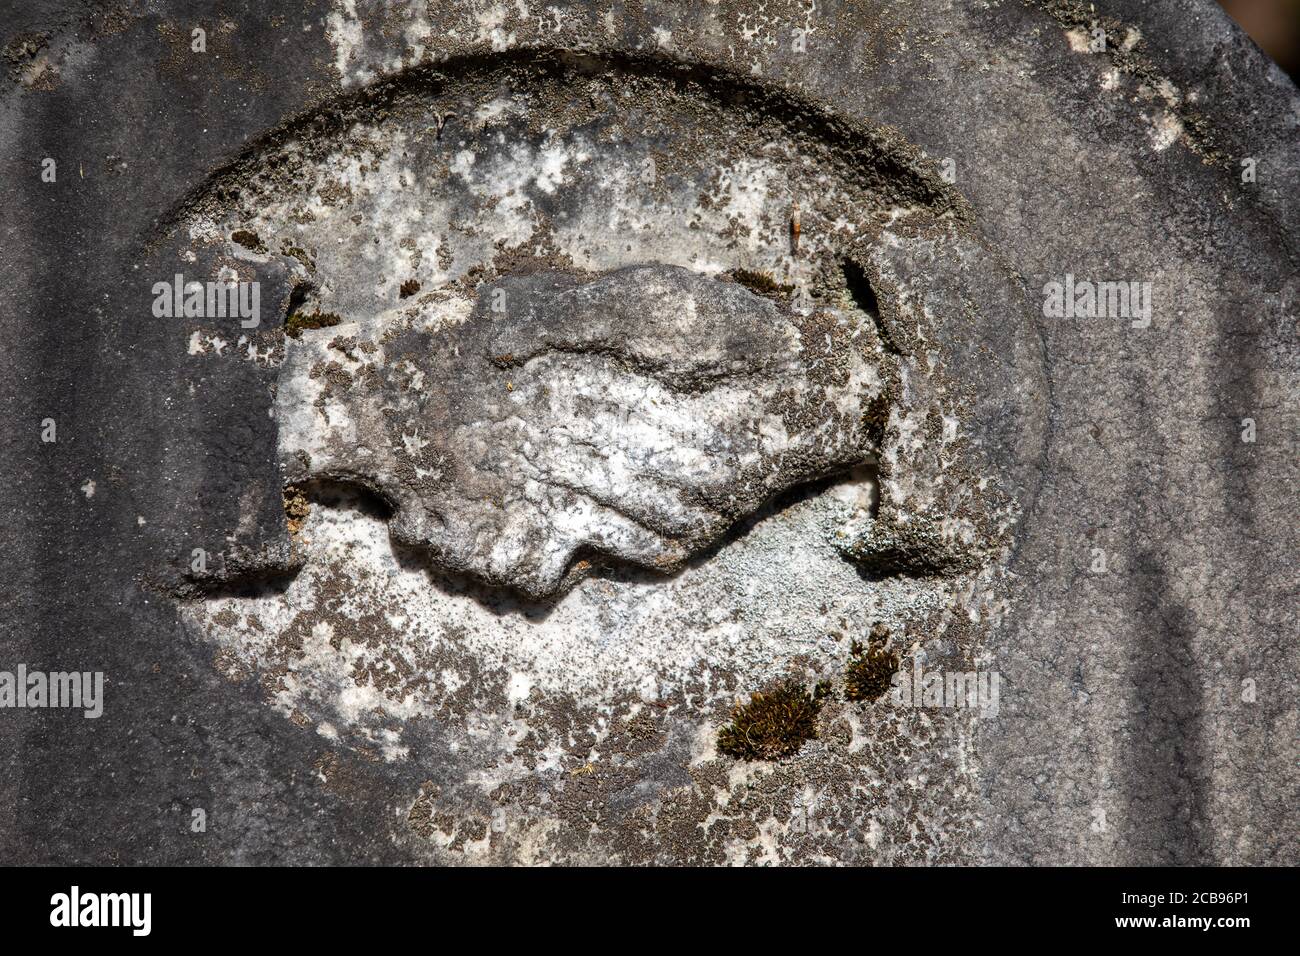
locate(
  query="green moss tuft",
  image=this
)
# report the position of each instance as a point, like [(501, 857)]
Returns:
[(774, 724), (870, 669)]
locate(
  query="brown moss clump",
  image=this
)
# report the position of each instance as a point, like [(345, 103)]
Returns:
[(918, 549), (296, 508), (871, 668), (774, 724), (408, 288), (760, 282), (420, 817), (295, 324), (248, 239)]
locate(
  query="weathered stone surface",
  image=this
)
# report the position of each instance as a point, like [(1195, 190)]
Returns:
[(484, 586)]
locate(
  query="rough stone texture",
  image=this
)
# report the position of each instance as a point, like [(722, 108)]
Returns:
[(353, 683)]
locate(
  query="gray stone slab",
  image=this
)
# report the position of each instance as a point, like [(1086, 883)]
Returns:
[(614, 363)]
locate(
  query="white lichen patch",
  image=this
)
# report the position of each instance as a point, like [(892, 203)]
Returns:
[(1080, 40), (344, 30), (1164, 131)]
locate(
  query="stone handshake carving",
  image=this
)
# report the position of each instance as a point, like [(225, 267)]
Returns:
[(557, 422)]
